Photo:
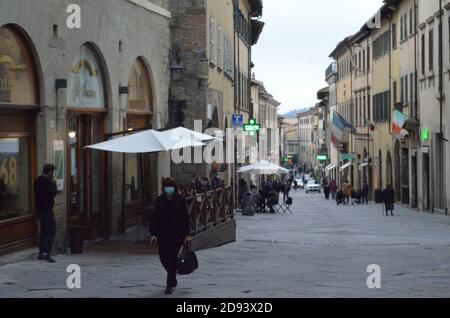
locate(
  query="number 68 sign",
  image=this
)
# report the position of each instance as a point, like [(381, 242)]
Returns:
[(8, 171)]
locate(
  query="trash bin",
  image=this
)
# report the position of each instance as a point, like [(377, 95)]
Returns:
[(378, 196), (77, 238)]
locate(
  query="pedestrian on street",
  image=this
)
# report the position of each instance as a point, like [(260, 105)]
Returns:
[(347, 191), (333, 189), (326, 189), (170, 229), (365, 193), (45, 191), (287, 189), (389, 199)]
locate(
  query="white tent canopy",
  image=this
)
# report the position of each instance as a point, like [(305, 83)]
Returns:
[(263, 168), (151, 141)]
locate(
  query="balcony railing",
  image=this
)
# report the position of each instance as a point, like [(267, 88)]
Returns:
[(210, 209)]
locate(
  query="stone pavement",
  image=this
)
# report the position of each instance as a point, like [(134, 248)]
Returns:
[(319, 251)]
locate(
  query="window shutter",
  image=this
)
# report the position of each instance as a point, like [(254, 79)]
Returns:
[(219, 47), (212, 42)]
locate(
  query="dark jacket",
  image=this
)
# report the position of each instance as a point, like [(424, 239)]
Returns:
[(45, 191), (365, 190), (389, 196), (170, 219)]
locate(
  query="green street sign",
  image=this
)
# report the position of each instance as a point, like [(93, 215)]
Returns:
[(322, 158), (252, 127), (348, 157)]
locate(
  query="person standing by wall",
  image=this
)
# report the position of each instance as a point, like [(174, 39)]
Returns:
[(170, 229), (45, 191)]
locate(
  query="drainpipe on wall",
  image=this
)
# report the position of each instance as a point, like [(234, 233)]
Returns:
[(390, 74), (416, 86)]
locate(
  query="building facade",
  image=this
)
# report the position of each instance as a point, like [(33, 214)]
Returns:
[(211, 57), (400, 110), (62, 89)]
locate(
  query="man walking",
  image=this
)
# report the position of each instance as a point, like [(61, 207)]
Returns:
[(365, 193), (45, 191), (389, 199)]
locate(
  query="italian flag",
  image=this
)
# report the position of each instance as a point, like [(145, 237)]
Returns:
[(399, 122)]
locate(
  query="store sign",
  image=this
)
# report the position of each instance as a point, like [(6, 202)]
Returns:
[(237, 121), (425, 134), (59, 163), (348, 157), (252, 127), (9, 163)]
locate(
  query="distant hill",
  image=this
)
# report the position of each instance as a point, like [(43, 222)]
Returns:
[(294, 113)]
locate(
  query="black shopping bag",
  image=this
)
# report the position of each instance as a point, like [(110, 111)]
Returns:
[(187, 261)]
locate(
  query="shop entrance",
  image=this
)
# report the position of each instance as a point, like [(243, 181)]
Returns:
[(86, 174)]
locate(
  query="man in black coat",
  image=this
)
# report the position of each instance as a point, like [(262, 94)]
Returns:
[(365, 193), (170, 229), (45, 191), (389, 199)]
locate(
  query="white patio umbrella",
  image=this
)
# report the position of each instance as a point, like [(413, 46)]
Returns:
[(263, 168), (151, 141)]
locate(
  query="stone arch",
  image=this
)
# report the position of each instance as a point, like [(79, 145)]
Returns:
[(89, 67), (18, 54), (389, 169)]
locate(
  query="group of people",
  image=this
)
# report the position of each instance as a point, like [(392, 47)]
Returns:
[(202, 185), (361, 196), (346, 192), (267, 197)]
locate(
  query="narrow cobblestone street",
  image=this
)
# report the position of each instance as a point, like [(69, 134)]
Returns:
[(319, 251)]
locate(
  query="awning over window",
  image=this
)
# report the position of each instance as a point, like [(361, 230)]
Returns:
[(348, 164)]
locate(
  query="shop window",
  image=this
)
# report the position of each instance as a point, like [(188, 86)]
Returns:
[(15, 191), (140, 97)]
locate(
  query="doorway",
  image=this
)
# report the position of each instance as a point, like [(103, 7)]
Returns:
[(426, 182), (86, 174)]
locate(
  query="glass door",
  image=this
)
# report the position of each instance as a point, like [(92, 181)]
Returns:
[(86, 180)]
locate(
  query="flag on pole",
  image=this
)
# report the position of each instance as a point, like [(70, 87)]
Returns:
[(337, 130), (347, 125), (399, 122)]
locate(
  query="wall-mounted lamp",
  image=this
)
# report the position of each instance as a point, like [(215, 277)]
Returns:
[(72, 134), (176, 71)]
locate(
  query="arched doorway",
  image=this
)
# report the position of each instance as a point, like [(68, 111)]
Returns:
[(19, 103), (87, 106), (398, 181), (389, 176), (140, 170), (380, 170)]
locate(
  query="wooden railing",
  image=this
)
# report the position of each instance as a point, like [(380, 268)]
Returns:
[(210, 209)]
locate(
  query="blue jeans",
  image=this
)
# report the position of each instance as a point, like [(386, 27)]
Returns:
[(48, 231)]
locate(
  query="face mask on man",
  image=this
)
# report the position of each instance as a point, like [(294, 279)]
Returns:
[(169, 191)]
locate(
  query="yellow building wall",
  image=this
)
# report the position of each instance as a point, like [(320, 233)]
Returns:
[(382, 137), (222, 14)]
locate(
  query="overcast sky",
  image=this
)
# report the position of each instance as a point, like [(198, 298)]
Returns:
[(292, 53)]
